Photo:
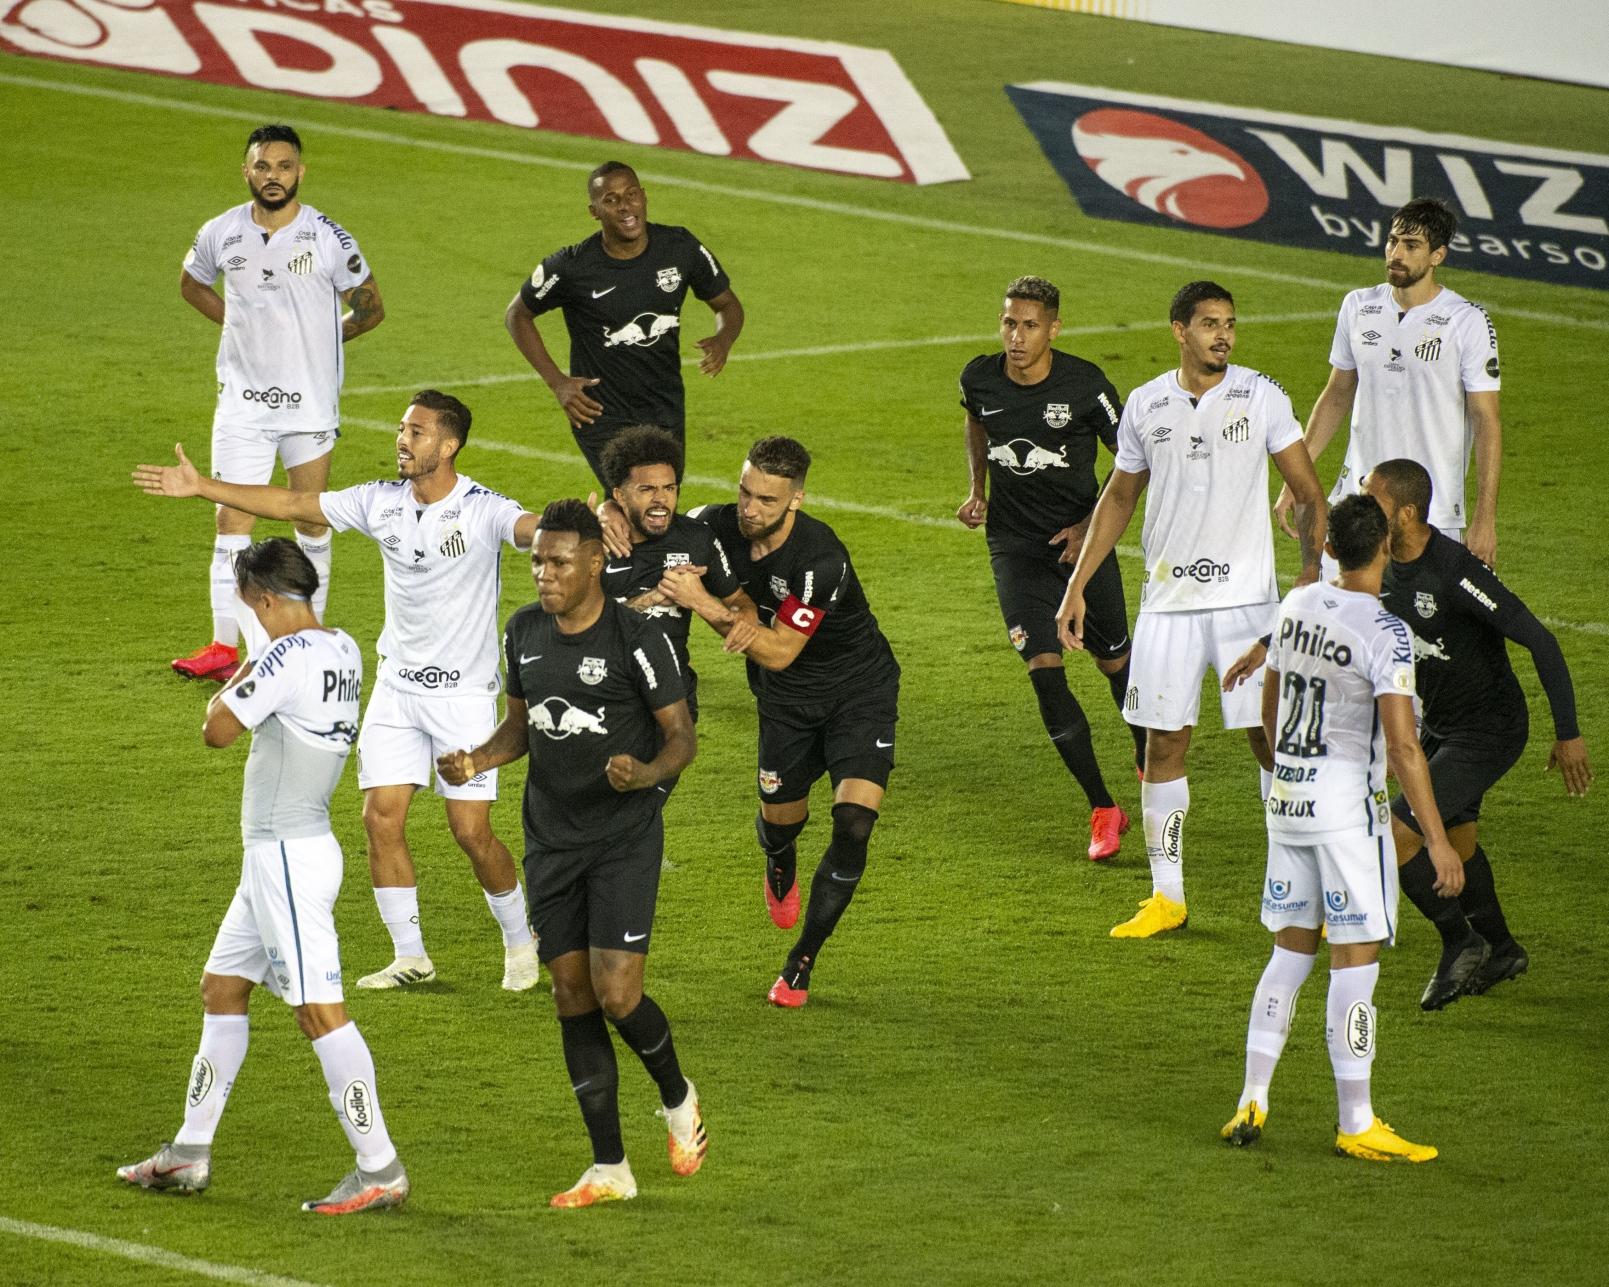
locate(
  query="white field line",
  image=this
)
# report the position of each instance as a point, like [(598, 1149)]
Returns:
[(1195, 267), (147, 1255)]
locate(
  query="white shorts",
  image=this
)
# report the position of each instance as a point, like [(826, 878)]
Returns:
[(280, 927), (1172, 651), (1349, 885), (404, 733), (248, 455)]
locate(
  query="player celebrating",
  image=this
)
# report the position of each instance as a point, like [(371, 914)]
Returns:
[(300, 699), (286, 269), (1337, 707), (621, 292), (1416, 365), (1201, 437), (825, 681), (441, 537), (1033, 418), (595, 698)]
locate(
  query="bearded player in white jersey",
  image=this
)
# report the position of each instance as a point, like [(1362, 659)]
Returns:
[(1200, 437), (441, 537), (286, 271), (1416, 365), (1337, 705)]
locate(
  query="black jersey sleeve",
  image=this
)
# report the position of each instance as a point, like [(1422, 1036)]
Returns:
[(969, 385), (545, 289), (511, 657), (719, 578), (654, 667), (704, 272), (1104, 412)]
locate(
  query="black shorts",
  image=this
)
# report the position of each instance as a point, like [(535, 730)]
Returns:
[(849, 737), (1461, 773), (599, 896), (593, 438), (1030, 587)]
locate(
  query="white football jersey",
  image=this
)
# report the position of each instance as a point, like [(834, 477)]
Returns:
[(1414, 369), (1335, 651), (443, 574), (1208, 540), (301, 701), (280, 361)]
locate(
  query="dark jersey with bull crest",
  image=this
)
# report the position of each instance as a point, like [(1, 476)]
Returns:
[(1041, 444), (624, 319), (588, 696), (810, 583)]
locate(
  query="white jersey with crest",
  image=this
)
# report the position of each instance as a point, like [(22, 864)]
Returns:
[(301, 703), (1208, 540), (1336, 651), (443, 575), (1414, 369), (280, 360)]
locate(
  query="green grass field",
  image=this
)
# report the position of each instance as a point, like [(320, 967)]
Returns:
[(984, 1086)]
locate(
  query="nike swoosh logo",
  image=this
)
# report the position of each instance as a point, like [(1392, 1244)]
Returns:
[(611, 567), (636, 938), (599, 294), (884, 745), (996, 411), (525, 661)]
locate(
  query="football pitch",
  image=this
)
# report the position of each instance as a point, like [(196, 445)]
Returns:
[(984, 1087)]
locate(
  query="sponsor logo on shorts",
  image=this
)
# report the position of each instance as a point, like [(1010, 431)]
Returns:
[(593, 670), (1205, 571), (273, 398), (1018, 637), (1360, 1029), (770, 781), (357, 1102), (1278, 898), (202, 1077), (430, 677)]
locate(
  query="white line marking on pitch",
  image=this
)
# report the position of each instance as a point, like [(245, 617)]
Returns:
[(148, 1255), (1192, 265)]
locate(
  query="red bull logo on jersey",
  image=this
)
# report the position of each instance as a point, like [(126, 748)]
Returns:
[(556, 718), (643, 331), (1022, 457)]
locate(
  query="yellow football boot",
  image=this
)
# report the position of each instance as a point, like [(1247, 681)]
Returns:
[(1381, 1144), (1245, 1127), (1157, 914)]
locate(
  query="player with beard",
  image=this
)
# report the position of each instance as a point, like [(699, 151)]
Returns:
[(286, 271), (621, 293), (595, 698), (440, 536), (824, 679)]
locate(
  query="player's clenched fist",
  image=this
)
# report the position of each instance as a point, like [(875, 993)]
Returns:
[(626, 773), (456, 767)]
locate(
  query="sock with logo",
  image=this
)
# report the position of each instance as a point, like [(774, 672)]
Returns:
[(225, 605), (509, 909), (212, 1075), (399, 909), (1118, 682), (1417, 878), (349, 1073), (1479, 901), (836, 877), (1272, 1006), (1349, 1028), (781, 853), (1068, 727), (318, 554), (647, 1031), (1164, 807), (589, 1056)]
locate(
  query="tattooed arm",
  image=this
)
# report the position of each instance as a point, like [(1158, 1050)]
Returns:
[(365, 309)]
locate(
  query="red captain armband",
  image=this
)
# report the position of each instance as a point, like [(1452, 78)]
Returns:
[(800, 616)]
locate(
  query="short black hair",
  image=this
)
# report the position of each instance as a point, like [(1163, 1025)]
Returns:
[(1357, 527), (605, 170), (1408, 482), (274, 134), (1038, 290), (640, 445), (1431, 218), (1191, 294), (571, 516), (453, 414), (781, 457), (277, 565)]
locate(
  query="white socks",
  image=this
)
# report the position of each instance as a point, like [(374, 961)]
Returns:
[(212, 1075), (509, 909), (1350, 1020), (399, 909), (1272, 1006), (1163, 806), (222, 585), (349, 1072), (318, 554)]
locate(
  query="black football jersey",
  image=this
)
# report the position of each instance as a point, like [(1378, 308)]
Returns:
[(624, 319), (589, 696), (1042, 443), (810, 582)]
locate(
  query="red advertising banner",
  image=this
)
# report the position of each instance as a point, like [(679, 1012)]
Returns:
[(810, 103)]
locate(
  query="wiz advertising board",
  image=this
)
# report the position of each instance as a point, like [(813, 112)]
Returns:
[(1524, 211)]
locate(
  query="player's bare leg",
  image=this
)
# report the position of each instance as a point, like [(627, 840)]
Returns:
[(1263, 753), (777, 827), (396, 886), (220, 658), (314, 476), (471, 824), (1164, 805)]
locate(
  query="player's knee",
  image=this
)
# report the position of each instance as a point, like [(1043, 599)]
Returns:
[(619, 992), (312, 531), (383, 819), (224, 994), (775, 837), (473, 833), (851, 832)]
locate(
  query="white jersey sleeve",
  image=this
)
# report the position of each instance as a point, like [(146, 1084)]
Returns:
[(339, 250), (1341, 355), (350, 508), (1478, 366), (202, 261), (1280, 425), (1130, 441), (492, 515)]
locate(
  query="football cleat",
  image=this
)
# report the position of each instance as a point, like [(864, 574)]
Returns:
[(785, 910), (1453, 977), (215, 661), (1106, 828), (598, 1183), (1381, 1144), (792, 988), (521, 968), (1157, 914), (173, 1168), (1510, 963), (686, 1138), (403, 971), (1245, 1127), (364, 1191)]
